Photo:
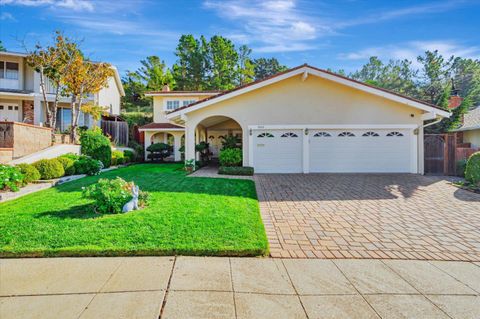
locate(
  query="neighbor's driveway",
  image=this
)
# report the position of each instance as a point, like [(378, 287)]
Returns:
[(397, 216)]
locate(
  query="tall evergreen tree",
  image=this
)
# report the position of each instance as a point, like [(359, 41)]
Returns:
[(265, 67), (2, 48), (435, 75), (190, 70), (223, 62), (246, 69)]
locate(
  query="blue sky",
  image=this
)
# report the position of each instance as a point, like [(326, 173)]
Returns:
[(328, 34)]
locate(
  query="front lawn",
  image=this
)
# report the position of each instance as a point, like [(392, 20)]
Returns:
[(186, 216)]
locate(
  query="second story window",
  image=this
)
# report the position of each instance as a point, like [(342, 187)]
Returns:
[(8, 70), (173, 105), (188, 102)]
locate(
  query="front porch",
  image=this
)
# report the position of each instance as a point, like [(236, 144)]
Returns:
[(173, 135)]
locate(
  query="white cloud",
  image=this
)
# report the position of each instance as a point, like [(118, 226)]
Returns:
[(76, 5), (7, 16), (411, 50), (270, 26)]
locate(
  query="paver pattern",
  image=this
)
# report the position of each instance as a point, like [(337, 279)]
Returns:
[(381, 216), (186, 287)]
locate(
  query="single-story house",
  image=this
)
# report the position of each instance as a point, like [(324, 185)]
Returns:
[(303, 120), (470, 129)]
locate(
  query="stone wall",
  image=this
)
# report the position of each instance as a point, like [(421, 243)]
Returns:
[(6, 155), (24, 138)]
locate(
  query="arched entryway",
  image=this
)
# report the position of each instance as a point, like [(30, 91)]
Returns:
[(215, 131)]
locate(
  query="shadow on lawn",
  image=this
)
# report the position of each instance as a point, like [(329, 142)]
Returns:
[(84, 211)]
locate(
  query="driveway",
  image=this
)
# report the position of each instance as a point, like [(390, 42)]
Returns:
[(388, 216)]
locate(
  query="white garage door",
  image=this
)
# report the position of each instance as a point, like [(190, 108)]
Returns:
[(9, 112), (360, 151), (277, 151)]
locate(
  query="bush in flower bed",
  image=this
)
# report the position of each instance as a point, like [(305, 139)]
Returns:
[(49, 168), (236, 170), (68, 165), (117, 158), (30, 173), (10, 178), (129, 156), (87, 165), (472, 171), (110, 195), (231, 157), (96, 145)]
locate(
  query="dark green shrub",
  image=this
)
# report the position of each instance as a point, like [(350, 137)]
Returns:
[(129, 156), (472, 171), (159, 151), (236, 170), (203, 149), (231, 157), (30, 173), (117, 157), (461, 165), (68, 165), (49, 168), (230, 141), (97, 146), (111, 195), (138, 149), (88, 165), (10, 178)]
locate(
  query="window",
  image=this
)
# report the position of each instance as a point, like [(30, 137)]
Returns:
[(289, 134), (370, 134), (346, 134), (266, 134), (12, 71), (10, 107), (173, 104), (2, 69), (394, 134), (322, 134), (188, 102), (1, 107), (16, 108)]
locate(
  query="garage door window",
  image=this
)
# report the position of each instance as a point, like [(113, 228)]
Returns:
[(346, 134), (289, 134), (370, 134), (322, 134), (265, 135), (394, 134)]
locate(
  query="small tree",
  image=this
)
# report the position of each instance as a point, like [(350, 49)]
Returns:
[(95, 111), (159, 151)]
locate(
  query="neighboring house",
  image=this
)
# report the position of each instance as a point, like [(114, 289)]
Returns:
[(304, 120), (469, 132), (21, 99)]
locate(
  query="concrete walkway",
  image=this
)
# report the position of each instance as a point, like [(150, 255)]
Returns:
[(197, 287)]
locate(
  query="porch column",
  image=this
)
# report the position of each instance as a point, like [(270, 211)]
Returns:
[(189, 143), (37, 111), (146, 142), (177, 143)]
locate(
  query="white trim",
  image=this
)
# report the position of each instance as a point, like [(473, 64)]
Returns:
[(414, 152), (173, 93), (322, 74), (159, 129), (333, 126), (306, 152), (14, 94), (250, 148)]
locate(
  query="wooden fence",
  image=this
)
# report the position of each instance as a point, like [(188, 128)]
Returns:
[(116, 130)]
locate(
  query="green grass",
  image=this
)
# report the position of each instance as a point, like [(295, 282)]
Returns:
[(186, 216)]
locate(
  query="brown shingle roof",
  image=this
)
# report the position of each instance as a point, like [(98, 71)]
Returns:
[(471, 120), (312, 67)]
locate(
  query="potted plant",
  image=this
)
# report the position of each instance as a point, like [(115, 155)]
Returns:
[(190, 165)]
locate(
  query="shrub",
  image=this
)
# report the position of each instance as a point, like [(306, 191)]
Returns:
[(117, 157), (30, 173), (10, 178), (230, 141), (472, 171), (231, 157), (72, 156), (203, 149), (88, 165), (97, 146), (49, 168), (111, 195), (129, 156), (461, 165), (68, 165), (158, 151), (138, 149), (236, 170)]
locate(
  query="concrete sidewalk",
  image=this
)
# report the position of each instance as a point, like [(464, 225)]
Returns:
[(197, 287)]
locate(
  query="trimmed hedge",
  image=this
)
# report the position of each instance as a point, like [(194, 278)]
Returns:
[(49, 168), (231, 157), (97, 146), (68, 165), (236, 170), (472, 172), (88, 165), (129, 156), (30, 173)]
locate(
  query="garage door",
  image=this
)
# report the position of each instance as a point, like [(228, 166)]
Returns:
[(277, 151), (9, 112), (360, 151)]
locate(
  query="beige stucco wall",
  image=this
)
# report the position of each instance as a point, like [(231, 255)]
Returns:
[(159, 104), (110, 96), (472, 137), (313, 101)]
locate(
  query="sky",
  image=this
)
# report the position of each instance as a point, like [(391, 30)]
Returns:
[(340, 34)]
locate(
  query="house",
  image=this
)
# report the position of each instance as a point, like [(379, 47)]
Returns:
[(21, 99), (23, 113), (303, 120), (469, 132)]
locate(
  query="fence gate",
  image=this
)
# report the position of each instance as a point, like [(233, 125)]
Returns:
[(434, 149), (117, 130)]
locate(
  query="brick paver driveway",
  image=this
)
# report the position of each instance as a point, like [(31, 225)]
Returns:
[(397, 216)]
